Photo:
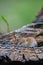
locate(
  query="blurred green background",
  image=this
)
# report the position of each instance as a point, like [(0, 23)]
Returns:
[(18, 12)]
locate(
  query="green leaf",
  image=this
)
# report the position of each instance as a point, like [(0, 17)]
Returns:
[(3, 18)]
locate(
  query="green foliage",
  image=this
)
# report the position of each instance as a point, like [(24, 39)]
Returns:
[(19, 12)]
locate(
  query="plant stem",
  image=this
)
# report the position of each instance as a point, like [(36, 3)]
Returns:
[(6, 22)]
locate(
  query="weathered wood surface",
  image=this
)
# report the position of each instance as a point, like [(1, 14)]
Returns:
[(11, 50)]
